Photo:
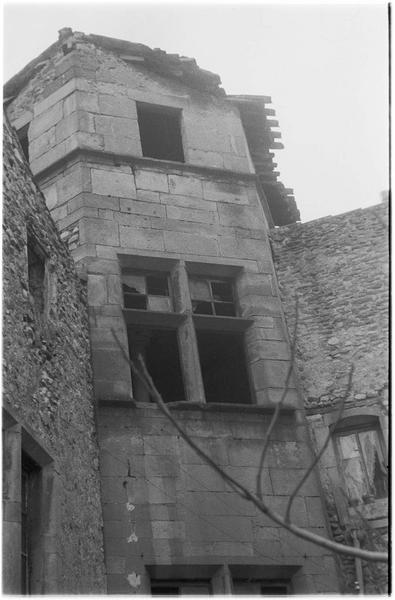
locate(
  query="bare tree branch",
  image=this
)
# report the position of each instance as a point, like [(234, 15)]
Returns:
[(278, 405), (242, 490), (322, 450)]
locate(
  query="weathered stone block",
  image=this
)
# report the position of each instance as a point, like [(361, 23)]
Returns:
[(117, 106), (188, 202), (241, 247), (271, 373), (122, 145), (113, 183), (207, 159), (142, 208), (114, 288), (236, 163), (232, 215), (74, 182), (115, 564), (142, 239), (247, 476), (81, 100), (93, 200), (189, 214), (221, 529), (147, 196), (46, 120), (151, 180), (42, 143), (97, 230), (203, 477), (161, 490), (76, 121), (190, 243), (164, 466), (54, 98), (225, 192), (261, 348), (97, 290), (252, 306), (284, 482), (168, 529), (185, 185)]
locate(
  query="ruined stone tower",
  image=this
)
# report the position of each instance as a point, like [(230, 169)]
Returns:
[(164, 189)]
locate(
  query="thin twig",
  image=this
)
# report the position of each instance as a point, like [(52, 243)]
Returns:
[(276, 413), (243, 491), (322, 450)]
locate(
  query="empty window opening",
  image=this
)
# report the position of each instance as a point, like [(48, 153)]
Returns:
[(36, 276), (363, 465), (223, 366), (159, 348), (29, 520), (212, 297), (265, 587), (24, 140), (160, 132), (181, 588), (146, 291)]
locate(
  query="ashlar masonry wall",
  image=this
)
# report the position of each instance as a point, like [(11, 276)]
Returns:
[(48, 401)]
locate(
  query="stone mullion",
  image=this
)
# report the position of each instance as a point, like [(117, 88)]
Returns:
[(187, 341)]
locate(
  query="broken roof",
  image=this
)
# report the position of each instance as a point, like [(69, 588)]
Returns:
[(178, 67)]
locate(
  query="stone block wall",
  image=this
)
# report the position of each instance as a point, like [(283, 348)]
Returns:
[(164, 505), (48, 399)]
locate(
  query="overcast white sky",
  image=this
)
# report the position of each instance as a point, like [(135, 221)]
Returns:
[(325, 67)]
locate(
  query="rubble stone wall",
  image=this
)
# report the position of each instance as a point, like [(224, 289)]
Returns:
[(338, 269), (47, 385)]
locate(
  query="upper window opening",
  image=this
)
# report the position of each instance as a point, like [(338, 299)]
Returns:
[(362, 464), (146, 291), (160, 132), (36, 276), (24, 140), (212, 297)]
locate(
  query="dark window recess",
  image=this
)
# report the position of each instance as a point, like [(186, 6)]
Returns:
[(159, 348), (180, 588), (29, 516), (160, 132), (212, 297), (36, 277), (157, 285), (24, 140), (146, 291), (223, 367)]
